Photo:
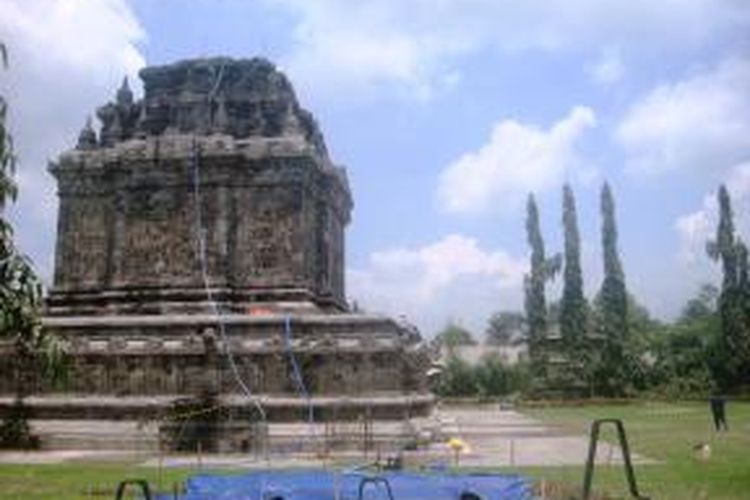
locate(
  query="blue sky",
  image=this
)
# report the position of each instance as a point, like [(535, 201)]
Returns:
[(446, 114)]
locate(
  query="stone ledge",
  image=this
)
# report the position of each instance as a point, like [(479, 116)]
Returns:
[(366, 399), (279, 408), (178, 146), (211, 319), (165, 347)]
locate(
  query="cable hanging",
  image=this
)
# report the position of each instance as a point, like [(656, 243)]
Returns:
[(297, 371), (201, 241)]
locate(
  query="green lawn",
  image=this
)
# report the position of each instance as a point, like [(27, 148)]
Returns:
[(667, 433), (78, 481)]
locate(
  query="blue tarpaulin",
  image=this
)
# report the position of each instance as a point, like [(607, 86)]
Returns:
[(330, 485)]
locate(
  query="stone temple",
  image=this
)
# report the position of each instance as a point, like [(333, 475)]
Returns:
[(200, 246)]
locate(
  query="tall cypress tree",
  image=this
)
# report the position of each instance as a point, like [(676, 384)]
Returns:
[(541, 270), (573, 303), (743, 292), (613, 300), (731, 364), (535, 301)]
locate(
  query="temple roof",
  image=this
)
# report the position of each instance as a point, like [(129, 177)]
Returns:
[(242, 98)]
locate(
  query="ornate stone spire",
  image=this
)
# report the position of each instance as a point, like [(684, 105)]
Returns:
[(241, 98), (124, 94), (87, 136)]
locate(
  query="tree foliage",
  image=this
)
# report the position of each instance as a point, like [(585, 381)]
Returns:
[(494, 377), (731, 351), (681, 353), (573, 314), (612, 305), (458, 378), (506, 328), (20, 289), (8, 187), (702, 305), (20, 302), (491, 377), (453, 335), (614, 347), (542, 270)]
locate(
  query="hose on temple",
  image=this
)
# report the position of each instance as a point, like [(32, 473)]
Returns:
[(213, 306), (201, 242), (297, 371)]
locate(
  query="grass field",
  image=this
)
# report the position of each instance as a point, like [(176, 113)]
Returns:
[(667, 433), (78, 481), (664, 432)]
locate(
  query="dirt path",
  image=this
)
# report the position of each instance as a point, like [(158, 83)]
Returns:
[(496, 438), (506, 437)]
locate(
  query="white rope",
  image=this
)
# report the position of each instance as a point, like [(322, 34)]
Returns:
[(201, 240), (215, 88)]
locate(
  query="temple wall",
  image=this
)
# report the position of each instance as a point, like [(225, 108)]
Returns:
[(158, 246), (268, 247), (157, 373), (83, 238), (274, 224)]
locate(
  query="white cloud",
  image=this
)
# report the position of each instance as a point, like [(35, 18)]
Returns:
[(697, 227), (412, 44), (609, 68), (371, 44), (66, 58), (453, 277), (694, 230), (701, 123), (517, 159)]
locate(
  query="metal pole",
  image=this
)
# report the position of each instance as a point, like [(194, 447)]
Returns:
[(590, 462)]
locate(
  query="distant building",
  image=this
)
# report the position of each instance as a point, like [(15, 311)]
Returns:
[(473, 354)]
